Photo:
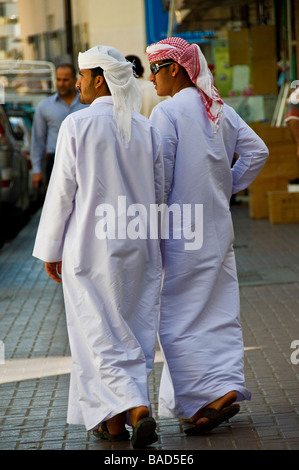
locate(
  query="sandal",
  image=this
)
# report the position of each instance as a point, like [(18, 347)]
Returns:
[(215, 417), (105, 434), (144, 433)]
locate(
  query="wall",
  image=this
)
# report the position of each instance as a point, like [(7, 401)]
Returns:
[(118, 23)]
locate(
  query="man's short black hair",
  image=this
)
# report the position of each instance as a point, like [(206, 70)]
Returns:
[(97, 71), (70, 66)]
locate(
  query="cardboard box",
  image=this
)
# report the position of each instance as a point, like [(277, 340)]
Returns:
[(282, 166), (283, 207), (239, 47), (293, 188), (282, 161), (256, 47), (271, 135), (258, 195), (263, 59)]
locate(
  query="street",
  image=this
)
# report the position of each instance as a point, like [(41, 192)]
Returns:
[(35, 366)]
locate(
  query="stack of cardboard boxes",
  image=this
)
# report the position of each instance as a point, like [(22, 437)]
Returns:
[(269, 194), (256, 48)]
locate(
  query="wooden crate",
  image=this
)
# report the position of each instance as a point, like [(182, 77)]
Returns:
[(283, 207)]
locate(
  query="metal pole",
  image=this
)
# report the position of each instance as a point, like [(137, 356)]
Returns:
[(284, 38), (290, 38), (69, 29), (171, 15)]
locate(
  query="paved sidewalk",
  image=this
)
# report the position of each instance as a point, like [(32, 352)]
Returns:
[(35, 374)]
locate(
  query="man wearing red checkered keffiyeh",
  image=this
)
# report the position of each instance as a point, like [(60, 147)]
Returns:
[(200, 331), (192, 59)]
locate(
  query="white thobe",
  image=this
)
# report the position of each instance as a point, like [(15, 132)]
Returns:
[(111, 281), (200, 329)]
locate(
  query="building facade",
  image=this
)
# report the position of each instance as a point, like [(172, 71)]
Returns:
[(9, 30), (251, 45), (44, 27)]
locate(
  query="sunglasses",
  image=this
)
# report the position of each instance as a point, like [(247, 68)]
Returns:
[(156, 67)]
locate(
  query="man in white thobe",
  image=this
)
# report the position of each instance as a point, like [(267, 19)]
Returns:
[(200, 329), (94, 231)]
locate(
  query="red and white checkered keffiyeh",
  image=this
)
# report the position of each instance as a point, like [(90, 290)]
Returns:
[(192, 59)]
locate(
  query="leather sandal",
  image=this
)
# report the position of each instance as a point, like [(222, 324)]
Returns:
[(105, 434), (215, 417), (144, 433)]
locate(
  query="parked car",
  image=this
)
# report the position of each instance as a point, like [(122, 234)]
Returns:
[(14, 168), (25, 84), (2, 234), (21, 121)]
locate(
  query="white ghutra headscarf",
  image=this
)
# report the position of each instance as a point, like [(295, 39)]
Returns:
[(124, 87)]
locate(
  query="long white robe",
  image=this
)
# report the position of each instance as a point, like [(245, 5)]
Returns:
[(200, 329), (111, 286)]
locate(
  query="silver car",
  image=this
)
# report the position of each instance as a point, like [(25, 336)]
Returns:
[(21, 122), (14, 171)]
